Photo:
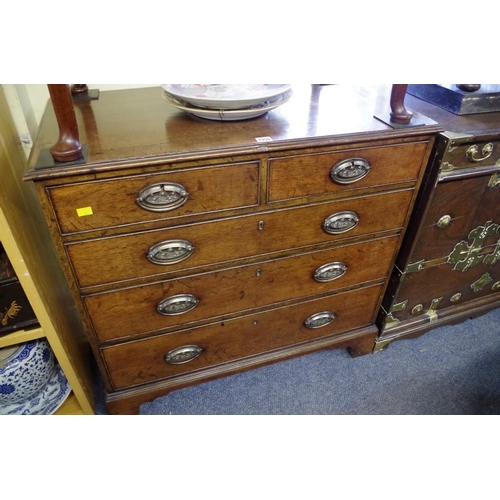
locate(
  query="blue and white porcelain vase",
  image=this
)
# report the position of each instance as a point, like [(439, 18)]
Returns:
[(25, 370)]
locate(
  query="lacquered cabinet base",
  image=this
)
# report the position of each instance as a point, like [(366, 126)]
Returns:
[(415, 327)]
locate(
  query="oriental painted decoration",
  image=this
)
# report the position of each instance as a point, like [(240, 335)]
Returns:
[(9, 313)]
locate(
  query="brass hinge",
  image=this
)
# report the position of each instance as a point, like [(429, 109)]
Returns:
[(446, 167), (382, 344), (414, 267), (494, 181), (433, 316), (479, 284)]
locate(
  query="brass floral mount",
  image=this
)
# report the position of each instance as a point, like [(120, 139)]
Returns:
[(465, 256)]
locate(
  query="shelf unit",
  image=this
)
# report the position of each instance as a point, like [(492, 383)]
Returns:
[(26, 240)]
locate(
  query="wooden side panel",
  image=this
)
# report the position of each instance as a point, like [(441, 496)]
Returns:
[(25, 236)]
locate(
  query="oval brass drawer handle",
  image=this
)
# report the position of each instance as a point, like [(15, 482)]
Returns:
[(350, 171), (341, 222), (319, 320), (183, 354), (170, 252), (330, 272), (474, 150), (177, 304), (162, 197)]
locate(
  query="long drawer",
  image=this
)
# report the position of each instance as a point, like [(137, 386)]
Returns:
[(171, 303), (140, 362), (330, 173), (166, 195), (138, 255), (462, 152)]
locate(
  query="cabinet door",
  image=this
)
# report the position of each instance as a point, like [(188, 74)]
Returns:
[(456, 208)]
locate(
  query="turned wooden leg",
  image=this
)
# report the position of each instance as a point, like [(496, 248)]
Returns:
[(399, 114), (79, 88), (469, 87), (80, 93), (68, 147)]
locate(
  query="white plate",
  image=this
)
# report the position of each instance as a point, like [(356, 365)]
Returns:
[(224, 115), (46, 401), (225, 95)]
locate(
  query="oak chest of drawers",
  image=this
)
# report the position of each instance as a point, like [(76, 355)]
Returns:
[(196, 249), (448, 268)]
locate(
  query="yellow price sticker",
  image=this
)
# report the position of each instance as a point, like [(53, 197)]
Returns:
[(82, 212)]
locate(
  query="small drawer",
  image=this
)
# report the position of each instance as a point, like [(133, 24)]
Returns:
[(143, 361), (133, 256), (171, 303), (470, 153), (168, 195), (340, 172)]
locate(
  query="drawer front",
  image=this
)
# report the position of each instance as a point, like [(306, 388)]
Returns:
[(457, 208), (471, 154), (126, 257), (144, 361), (94, 205), (172, 303), (438, 287), (334, 173)]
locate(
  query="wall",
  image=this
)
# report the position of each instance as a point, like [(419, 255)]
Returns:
[(27, 104)]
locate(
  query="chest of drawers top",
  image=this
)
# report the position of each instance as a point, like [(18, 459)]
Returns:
[(129, 129)]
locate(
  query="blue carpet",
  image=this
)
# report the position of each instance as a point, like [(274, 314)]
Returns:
[(452, 370)]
